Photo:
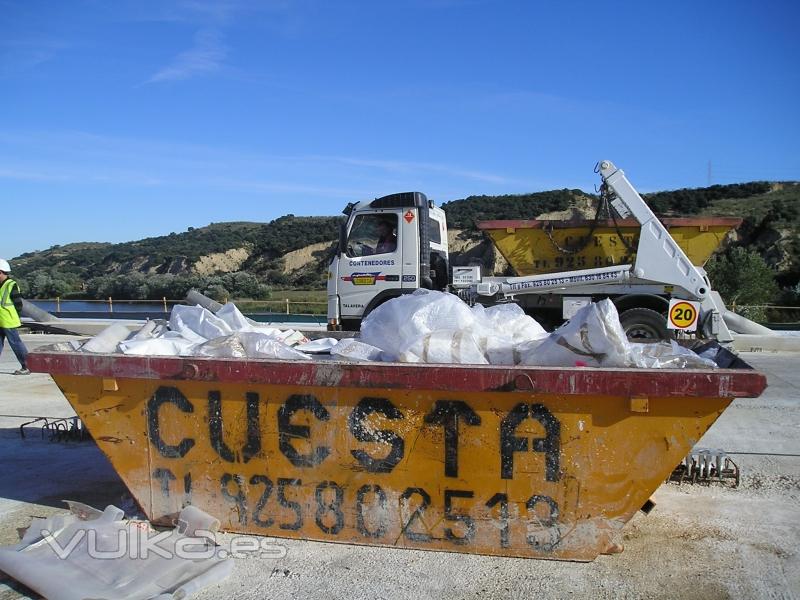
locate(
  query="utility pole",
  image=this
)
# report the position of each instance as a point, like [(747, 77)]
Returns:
[(709, 173)]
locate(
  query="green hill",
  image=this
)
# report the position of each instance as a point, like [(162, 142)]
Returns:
[(771, 213), (464, 214), (242, 259), (226, 259)]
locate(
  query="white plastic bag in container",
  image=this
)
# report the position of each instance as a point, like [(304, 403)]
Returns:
[(107, 340), (247, 344), (197, 324), (665, 355), (592, 337), (234, 317), (500, 329), (497, 350), (435, 327), (150, 330), (195, 331), (318, 346), (397, 324), (507, 321), (287, 336), (352, 349), (236, 321), (445, 346), (160, 346)]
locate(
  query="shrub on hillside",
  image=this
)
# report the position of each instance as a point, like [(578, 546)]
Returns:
[(742, 277)]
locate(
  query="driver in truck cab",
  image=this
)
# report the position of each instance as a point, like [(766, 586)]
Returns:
[(387, 240)]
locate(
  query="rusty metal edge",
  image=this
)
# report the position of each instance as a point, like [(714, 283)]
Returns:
[(717, 383), (561, 224)]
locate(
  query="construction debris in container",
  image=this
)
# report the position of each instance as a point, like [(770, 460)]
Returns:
[(196, 331), (423, 327), (436, 327)]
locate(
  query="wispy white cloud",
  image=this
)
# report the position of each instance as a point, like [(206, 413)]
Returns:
[(86, 158), (17, 56), (194, 12), (217, 11), (411, 166), (53, 172), (211, 19), (206, 56)]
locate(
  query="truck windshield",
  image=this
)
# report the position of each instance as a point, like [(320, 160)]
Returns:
[(372, 234)]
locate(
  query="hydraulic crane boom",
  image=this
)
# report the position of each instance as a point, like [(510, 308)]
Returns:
[(659, 261)]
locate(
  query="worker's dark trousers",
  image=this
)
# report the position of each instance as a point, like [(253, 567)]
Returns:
[(20, 351)]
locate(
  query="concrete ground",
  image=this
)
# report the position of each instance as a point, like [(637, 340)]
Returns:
[(699, 542)]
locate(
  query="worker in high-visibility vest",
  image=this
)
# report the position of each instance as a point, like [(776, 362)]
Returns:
[(10, 307)]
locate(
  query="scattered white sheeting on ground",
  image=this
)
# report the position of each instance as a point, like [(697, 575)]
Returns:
[(89, 553)]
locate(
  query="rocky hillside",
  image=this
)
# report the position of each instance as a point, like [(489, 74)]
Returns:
[(247, 259), (771, 227)]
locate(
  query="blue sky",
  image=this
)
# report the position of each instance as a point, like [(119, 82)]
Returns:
[(125, 119)]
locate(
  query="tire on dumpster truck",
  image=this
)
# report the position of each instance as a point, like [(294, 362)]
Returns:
[(644, 325)]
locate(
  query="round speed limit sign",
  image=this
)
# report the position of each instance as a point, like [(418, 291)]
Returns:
[(683, 315)]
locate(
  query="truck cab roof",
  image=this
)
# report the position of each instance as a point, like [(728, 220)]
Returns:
[(399, 200)]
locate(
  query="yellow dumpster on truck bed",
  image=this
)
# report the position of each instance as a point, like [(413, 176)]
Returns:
[(513, 461), (533, 247)]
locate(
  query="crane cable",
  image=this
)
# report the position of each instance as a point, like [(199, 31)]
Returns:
[(602, 207)]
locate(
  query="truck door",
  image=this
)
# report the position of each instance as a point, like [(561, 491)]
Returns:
[(372, 261), (409, 224), (439, 257)]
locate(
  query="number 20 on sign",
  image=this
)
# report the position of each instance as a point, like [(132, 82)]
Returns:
[(683, 315)]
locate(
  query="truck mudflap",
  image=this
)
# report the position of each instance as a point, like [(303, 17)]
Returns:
[(511, 461)]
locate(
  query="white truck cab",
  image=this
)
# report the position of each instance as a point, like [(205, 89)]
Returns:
[(388, 247)]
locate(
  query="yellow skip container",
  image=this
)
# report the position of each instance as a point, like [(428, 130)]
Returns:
[(533, 247), (512, 461)]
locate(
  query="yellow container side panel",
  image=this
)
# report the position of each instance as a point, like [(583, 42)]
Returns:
[(530, 251), (514, 474)]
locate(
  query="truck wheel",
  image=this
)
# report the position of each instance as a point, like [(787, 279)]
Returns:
[(644, 325)]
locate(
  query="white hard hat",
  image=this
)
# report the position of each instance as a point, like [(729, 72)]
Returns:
[(4, 266)]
